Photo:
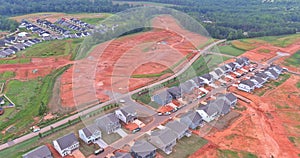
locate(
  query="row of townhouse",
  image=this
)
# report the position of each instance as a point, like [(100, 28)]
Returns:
[(260, 78)]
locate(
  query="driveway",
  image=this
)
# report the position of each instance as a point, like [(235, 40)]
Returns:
[(121, 132), (101, 143)]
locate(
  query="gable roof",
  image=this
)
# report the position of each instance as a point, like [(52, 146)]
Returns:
[(273, 72), (174, 91), (90, 130), (207, 76), (190, 117), (122, 155), (40, 152), (142, 148), (107, 119), (161, 138), (177, 127), (67, 141), (258, 79), (188, 86), (248, 82), (231, 97), (262, 75)]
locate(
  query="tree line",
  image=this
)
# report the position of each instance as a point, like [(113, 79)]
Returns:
[(234, 19)]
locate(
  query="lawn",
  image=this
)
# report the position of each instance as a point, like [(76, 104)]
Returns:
[(152, 75), (294, 60), (18, 150), (242, 45), (230, 50), (7, 75), (15, 61), (28, 97), (281, 41), (264, 51), (298, 84), (234, 154), (92, 21), (186, 147), (52, 48)]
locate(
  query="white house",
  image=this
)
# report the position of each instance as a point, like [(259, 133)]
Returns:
[(126, 115), (66, 144), (90, 134), (207, 78), (208, 113), (246, 85)]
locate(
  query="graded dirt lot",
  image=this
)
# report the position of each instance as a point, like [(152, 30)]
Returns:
[(110, 65)]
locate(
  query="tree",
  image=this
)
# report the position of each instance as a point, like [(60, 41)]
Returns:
[(42, 109)]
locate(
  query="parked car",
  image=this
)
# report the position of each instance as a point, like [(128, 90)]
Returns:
[(136, 130), (99, 151)]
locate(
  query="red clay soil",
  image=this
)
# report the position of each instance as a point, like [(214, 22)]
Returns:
[(267, 123), (38, 67), (207, 151), (111, 64)]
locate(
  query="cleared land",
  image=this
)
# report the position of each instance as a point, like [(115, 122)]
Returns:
[(230, 50), (294, 60)]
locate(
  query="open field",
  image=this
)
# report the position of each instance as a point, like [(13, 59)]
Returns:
[(7, 75), (52, 48), (92, 21), (241, 45), (141, 3), (53, 16), (293, 60), (230, 50), (28, 97), (15, 61), (185, 147), (119, 71)]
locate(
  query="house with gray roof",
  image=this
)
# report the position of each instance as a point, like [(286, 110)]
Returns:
[(192, 119), (259, 82), (143, 149), (207, 78), (231, 66), (175, 92), (263, 76), (164, 139), (90, 134), (126, 115), (225, 69), (230, 98), (208, 112), (119, 154), (246, 85), (199, 82), (66, 144), (221, 105), (276, 68), (40, 152), (272, 74), (179, 128), (10, 51), (217, 73), (108, 123), (188, 86), (162, 98), (19, 46)]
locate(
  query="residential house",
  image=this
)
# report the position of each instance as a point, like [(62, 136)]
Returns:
[(162, 98), (179, 128), (10, 51), (207, 78), (108, 123), (242, 61), (19, 46), (14, 49), (126, 115), (263, 76), (221, 105), (2, 54), (259, 82), (225, 69), (11, 39), (276, 68), (207, 112), (192, 119), (90, 134), (175, 92), (230, 98), (66, 144), (231, 66), (272, 74), (246, 85), (217, 73), (143, 149), (164, 139), (199, 82), (187, 87), (40, 152)]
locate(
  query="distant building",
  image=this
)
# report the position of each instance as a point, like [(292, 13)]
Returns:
[(40, 152)]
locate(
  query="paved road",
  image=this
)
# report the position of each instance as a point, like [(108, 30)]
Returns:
[(45, 129)]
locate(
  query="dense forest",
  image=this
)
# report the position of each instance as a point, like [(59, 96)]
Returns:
[(7, 24), (234, 19), (229, 19)]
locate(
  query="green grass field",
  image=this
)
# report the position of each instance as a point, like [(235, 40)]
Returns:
[(93, 21), (15, 61), (298, 84), (230, 50), (152, 75), (293, 60), (242, 45), (185, 147), (7, 75), (52, 48), (28, 96), (235, 154)]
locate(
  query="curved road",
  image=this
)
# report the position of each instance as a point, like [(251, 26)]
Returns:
[(48, 128)]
